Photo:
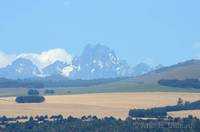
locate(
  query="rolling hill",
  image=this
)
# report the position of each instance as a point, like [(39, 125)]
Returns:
[(184, 70)]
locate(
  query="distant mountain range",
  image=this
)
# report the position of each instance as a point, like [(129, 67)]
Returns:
[(99, 62), (20, 68), (96, 61), (184, 70), (57, 68)]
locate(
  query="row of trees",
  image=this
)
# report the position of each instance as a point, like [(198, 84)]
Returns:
[(187, 83), (107, 124), (162, 111), (8, 83), (45, 82)]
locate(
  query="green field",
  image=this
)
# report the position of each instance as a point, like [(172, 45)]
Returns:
[(108, 88)]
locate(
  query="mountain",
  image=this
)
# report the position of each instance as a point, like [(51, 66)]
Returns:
[(96, 61), (158, 67), (141, 69), (20, 68), (99, 61), (184, 70), (57, 68)]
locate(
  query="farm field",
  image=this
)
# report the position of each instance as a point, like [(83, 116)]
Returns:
[(106, 88), (99, 104), (185, 113)]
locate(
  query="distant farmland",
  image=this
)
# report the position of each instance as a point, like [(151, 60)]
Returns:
[(106, 88), (102, 104)]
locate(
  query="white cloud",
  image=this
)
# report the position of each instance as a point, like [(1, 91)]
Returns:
[(67, 70), (46, 58), (5, 59), (42, 59)]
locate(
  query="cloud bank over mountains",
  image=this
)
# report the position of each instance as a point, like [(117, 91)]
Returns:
[(41, 60), (6, 59), (96, 61)]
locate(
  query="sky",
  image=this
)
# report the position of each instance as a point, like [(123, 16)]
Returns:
[(152, 31)]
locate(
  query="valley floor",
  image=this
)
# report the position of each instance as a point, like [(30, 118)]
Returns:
[(101, 104)]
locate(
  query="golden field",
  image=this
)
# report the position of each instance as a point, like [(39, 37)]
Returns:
[(185, 113), (101, 104)]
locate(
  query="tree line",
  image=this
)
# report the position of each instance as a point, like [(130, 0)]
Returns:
[(45, 82), (187, 83), (161, 112), (9, 83), (94, 124)]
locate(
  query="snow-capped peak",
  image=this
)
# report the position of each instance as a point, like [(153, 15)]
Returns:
[(98, 61)]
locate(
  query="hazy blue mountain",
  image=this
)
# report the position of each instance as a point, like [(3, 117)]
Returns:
[(181, 71), (20, 68), (99, 61), (140, 69), (55, 69), (96, 61), (158, 67)]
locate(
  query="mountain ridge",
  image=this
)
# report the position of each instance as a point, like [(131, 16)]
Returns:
[(183, 70), (95, 62)]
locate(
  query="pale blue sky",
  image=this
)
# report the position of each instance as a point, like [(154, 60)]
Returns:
[(156, 31)]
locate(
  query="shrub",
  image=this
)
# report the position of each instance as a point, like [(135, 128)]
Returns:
[(49, 91), (33, 92), (30, 99), (180, 101)]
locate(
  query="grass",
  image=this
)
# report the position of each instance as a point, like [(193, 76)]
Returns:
[(101, 104), (103, 100), (107, 88), (186, 113)]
